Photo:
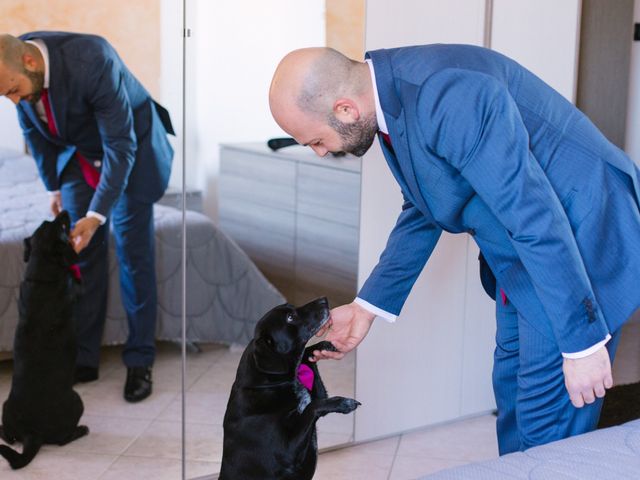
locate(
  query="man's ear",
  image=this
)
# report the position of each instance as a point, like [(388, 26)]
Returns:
[(27, 249), (29, 62), (267, 360), (346, 110)]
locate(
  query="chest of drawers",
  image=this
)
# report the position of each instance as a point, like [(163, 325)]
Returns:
[(296, 215)]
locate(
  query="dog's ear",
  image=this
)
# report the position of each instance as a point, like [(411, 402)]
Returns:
[(27, 249), (267, 359)]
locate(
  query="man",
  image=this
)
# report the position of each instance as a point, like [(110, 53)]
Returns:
[(478, 144), (100, 144)]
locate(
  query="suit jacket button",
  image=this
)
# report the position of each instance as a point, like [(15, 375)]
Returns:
[(97, 163)]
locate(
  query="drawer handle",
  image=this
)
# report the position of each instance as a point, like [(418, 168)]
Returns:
[(280, 142)]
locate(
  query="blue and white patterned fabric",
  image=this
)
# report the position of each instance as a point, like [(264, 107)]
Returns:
[(608, 454)]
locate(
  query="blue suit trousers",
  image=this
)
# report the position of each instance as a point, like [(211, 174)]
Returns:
[(133, 228), (528, 383)]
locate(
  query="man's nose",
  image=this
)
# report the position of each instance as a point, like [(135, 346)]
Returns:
[(320, 151)]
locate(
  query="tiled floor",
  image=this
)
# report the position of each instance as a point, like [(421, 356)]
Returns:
[(142, 441)]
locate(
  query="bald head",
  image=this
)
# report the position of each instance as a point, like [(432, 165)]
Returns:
[(317, 87), (11, 51), (21, 70), (312, 78)]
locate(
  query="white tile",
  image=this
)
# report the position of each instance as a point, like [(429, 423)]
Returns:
[(66, 465), (203, 408), (107, 435), (371, 461), (220, 374), (105, 399), (467, 440), (409, 468), (139, 468), (163, 440)]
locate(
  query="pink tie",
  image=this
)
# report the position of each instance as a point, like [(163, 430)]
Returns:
[(91, 175)]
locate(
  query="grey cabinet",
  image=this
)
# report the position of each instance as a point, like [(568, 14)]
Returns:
[(296, 215)]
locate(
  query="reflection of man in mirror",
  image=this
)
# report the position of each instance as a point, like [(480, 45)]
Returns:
[(478, 144), (100, 143)]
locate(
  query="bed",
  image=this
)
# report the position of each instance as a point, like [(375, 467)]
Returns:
[(226, 293), (609, 454)]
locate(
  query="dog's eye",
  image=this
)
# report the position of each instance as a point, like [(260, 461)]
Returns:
[(289, 318)]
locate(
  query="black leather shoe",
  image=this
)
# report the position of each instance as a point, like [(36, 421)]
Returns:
[(85, 374), (138, 386)]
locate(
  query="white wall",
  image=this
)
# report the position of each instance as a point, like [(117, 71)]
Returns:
[(10, 132), (171, 45), (632, 146), (237, 45), (541, 35)]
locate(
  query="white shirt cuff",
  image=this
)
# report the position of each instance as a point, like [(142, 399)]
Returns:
[(54, 192), (588, 351), (389, 317), (100, 217)]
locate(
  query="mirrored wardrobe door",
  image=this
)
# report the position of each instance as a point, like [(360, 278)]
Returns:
[(256, 235), (126, 439)]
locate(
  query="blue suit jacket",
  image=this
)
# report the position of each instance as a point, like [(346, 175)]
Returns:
[(481, 145), (103, 112)]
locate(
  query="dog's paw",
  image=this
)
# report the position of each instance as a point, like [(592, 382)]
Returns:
[(323, 345), (346, 405)]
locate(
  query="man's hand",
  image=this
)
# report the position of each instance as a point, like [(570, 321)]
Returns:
[(83, 232), (347, 327), (55, 203), (587, 378)]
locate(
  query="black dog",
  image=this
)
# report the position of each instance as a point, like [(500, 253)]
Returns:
[(42, 406), (270, 422)]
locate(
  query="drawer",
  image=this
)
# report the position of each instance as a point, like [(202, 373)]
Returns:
[(326, 245), (260, 218), (259, 167), (329, 194), (257, 179)]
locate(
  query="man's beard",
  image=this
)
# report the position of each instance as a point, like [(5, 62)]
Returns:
[(357, 137), (37, 84)]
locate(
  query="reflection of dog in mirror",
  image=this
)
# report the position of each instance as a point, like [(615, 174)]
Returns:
[(42, 406), (277, 397)]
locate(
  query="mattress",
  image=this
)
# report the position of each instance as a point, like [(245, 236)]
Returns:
[(608, 454), (226, 293)]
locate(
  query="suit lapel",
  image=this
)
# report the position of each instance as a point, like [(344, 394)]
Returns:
[(57, 89), (40, 125), (399, 160), (401, 148)]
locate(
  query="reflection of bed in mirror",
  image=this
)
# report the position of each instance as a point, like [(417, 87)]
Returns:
[(226, 293)]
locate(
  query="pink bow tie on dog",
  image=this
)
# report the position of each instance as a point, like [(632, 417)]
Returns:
[(305, 376)]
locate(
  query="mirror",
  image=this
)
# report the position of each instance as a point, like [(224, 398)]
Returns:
[(124, 437), (268, 247)]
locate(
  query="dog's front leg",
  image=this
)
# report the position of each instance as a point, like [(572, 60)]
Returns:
[(320, 407), (323, 345)]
